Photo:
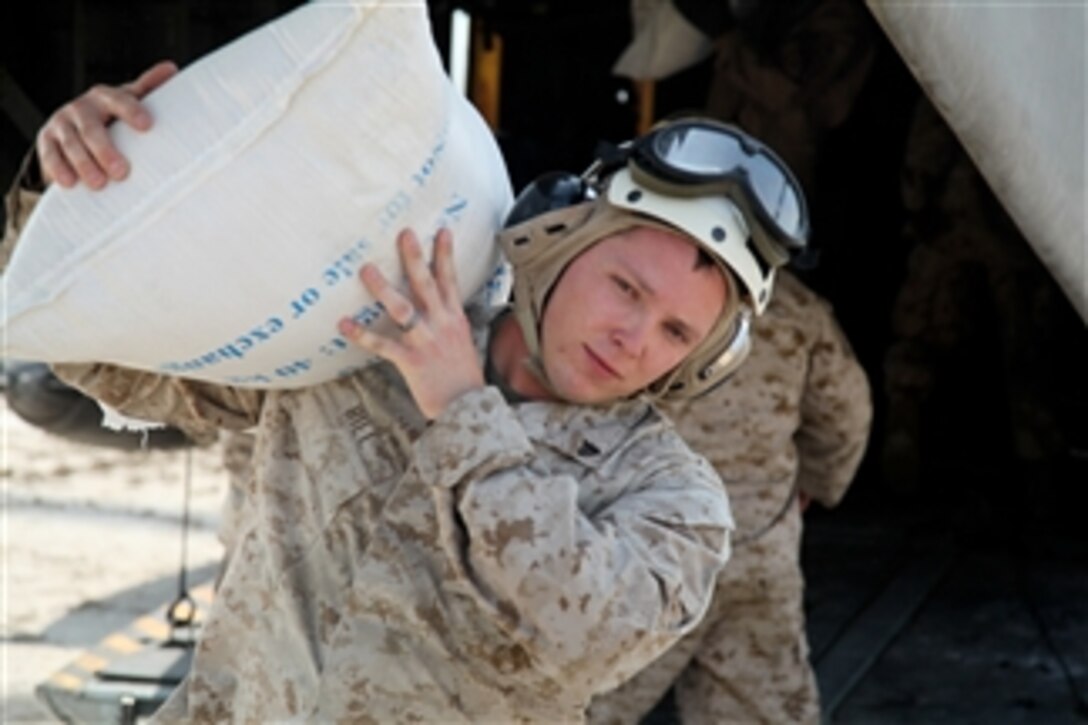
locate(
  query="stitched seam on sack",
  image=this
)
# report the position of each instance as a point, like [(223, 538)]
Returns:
[(247, 132)]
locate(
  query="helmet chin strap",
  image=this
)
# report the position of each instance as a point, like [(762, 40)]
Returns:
[(535, 366), (530, 362)]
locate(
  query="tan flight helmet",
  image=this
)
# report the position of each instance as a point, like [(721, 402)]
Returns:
[(730, 194)]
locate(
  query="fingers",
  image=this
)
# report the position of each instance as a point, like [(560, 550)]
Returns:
[(435, 351), (434, 289), (90, 148), (383, 347), (399, 308), (152, 78), (444, 269), (433, 301), (55, 166), (74, 145), (419, 274)]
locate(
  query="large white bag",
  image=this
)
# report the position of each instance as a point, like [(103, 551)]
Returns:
[(277, 166)]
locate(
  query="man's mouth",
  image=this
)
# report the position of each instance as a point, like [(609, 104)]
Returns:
[(600, 363)]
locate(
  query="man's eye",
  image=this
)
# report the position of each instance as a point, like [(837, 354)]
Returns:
[(677, 333), (623, 285)]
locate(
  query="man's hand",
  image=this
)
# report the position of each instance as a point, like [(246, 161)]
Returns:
[(434, 350), (73, 145)]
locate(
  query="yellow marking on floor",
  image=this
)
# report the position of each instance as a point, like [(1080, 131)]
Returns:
[(153, 627), (90, 662), (66, 681), (121, 643)]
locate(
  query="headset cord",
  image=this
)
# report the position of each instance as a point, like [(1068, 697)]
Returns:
[(181, 612), (795, 489)]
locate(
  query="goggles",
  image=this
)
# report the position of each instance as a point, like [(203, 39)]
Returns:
[(701, 157)]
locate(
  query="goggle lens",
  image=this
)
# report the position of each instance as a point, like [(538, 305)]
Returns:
[(708, 154)]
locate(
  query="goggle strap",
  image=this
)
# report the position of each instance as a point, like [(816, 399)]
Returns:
[(767, 252)]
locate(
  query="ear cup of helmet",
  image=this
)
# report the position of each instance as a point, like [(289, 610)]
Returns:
[(692, 381), (735, 353)]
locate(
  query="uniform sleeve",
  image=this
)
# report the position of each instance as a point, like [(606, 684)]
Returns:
[(198, 409), (836, 414), (592, 598)]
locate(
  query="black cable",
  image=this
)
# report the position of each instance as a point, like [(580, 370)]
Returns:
[(181, 612)]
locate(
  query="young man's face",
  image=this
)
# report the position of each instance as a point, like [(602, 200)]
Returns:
[(625, 312)]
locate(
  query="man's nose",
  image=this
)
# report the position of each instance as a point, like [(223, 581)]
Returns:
[(633, 335)]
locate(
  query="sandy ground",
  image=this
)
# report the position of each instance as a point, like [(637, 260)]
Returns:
[(90, 538)]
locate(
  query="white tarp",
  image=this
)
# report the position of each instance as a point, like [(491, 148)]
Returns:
[(1009, 78)]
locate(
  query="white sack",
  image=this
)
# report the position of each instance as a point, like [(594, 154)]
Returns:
[(277, 166)]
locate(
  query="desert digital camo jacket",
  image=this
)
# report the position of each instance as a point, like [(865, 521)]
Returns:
[(501, 563), (794, 418)]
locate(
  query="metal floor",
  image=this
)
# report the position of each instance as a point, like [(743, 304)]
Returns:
[(947, 608), (951, 608)]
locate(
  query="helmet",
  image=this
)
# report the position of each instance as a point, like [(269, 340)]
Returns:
[(730, 194)]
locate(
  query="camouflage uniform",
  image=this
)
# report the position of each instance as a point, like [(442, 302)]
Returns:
[(503, 562), (238, 461), (795, 417)]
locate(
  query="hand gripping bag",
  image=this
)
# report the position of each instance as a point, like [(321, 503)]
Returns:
[(277, 166)]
